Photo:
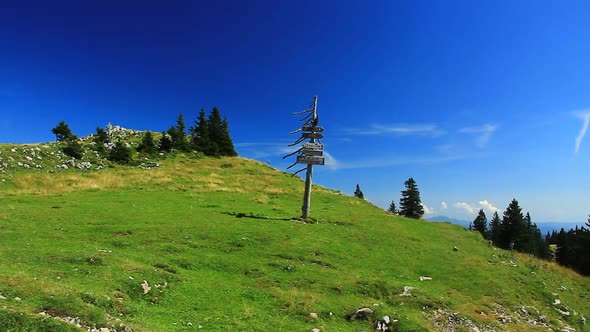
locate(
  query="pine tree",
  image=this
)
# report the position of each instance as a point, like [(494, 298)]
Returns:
[(200, 139), (216, 132), (178, 135), (358, 193), (73, 149), (147, 145), (120, 153), (495, 228), (480, 223), (165, 142), (514, 232), (410, 204), (100, 139), (63, 132), (585, 249), (227, 145), (101, 136), (392, 208)]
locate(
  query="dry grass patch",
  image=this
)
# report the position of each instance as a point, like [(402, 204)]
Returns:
[(274, 191), (68, 182), (262, 199)]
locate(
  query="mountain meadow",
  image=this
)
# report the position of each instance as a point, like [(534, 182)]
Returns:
[(186, 242)]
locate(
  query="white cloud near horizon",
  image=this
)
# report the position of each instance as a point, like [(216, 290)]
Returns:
[(488, 206), (585, 116), (465, 206), (471, 208), (444, 205), (484, 133), (399, 130)]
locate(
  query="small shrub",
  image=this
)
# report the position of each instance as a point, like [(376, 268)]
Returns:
[(73, 149), (94, 260), (120, 154)]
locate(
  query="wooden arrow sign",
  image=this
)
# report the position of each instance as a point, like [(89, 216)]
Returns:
[(308, 152), (312, 135), (310, 160), (315, 129), (313, 146)]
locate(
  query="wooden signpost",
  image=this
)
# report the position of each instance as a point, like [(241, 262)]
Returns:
[(310, 160), (311, 153)]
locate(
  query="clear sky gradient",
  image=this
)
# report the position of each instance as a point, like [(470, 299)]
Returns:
[(479, 101)]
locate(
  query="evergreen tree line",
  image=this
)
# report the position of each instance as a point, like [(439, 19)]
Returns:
[(208, 135), (514, 231), (572, 248)]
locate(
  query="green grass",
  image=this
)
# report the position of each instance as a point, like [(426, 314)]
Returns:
[(80, 244)]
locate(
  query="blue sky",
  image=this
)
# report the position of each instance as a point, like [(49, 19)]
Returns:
[(479, 101)]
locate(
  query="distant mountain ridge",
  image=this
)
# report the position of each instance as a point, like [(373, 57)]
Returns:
[(544, 227)]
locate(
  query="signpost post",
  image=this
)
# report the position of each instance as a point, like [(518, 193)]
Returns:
[(311, 153)]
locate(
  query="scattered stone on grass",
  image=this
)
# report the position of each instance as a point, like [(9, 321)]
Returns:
[(407, 291), (361, 313), (146, 287)]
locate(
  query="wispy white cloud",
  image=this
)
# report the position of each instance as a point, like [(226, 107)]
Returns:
[(444, 205), (262, 150), (427, 210), (331, 162), (585, 116), (488, 206), (396, 161), (484, 133), (465, 206), (398, 130)]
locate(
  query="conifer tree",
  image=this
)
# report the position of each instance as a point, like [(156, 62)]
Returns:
[(585, 249), (358, 193), (227, 145), (480, 223), (392, 208), (410, 204), (495, 229), (120, 153), (513, 227), (200, 139), (73, 149), (101, 136), (165, 142), (178, 135), (147, 145), (63, 132), (216, 132)]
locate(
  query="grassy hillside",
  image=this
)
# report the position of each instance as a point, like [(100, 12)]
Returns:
[(208, 244)]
